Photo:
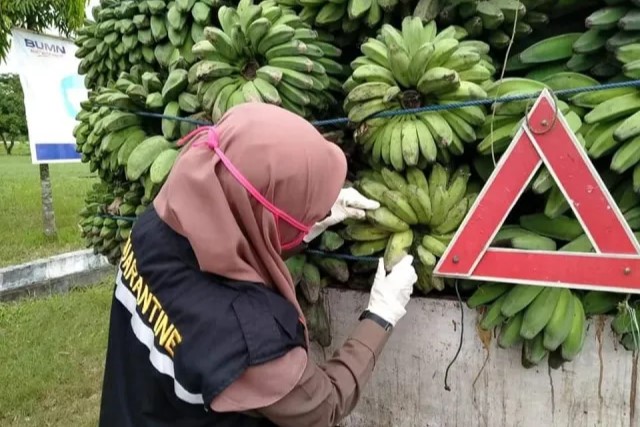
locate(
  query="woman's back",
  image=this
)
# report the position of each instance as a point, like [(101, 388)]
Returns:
[(185, 335)]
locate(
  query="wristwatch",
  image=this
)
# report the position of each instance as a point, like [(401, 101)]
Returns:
[(379, 320)]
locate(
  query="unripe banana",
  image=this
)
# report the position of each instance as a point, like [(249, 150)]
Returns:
[(397, 247), (365, 232), (539, 312), (599, 302), (426, 257), (426, 142), (575, 340), (398, 204), (510, 332), (559, 324), (372, 189), (416, 177), (493, 317), (458, 185), (438, 205), (385, 219), (518, 298), (413, 197), (368, 248), (394, 180), (433, 245), (534, 351), (454, 217), (488, 292)]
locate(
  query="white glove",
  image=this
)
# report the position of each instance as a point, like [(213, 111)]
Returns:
[(390, 293), (350, 204)]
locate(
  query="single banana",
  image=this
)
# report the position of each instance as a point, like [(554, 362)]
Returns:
[(539, 312), (410, 142), (394, 180), (534, 352), (397, 247), (453, 218), (433, 245), (575, 340), (364, 232), (398, 204), (426, 142), (413, 197), (426, 257), (385, 219), (438, 79), (493, 316), (559, 324), (368, 248), (510, 332), (519, 298), (439, 128)]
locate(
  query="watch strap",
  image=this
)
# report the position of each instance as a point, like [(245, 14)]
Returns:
[(374, 317)]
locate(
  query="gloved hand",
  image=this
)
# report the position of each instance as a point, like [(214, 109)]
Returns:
[(390, 293), (350, 204)]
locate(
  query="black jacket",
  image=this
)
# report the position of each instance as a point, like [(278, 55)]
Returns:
[(178, 337)]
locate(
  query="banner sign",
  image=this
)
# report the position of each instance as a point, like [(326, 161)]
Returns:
[(52, 90)]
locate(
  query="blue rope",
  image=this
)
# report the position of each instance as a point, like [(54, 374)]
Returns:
[(346, 257), (124, 218), (317, 252), (425, 109), (345, 120)]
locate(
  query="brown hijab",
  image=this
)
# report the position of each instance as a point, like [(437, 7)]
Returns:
[(289, 162)]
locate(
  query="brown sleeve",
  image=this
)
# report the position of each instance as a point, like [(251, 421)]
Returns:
[(327, 393)]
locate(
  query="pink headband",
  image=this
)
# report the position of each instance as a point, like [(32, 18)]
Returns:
[(213, 144)]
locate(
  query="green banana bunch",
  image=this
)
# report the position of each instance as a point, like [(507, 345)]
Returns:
[(419, 214), (318, 323), (575, 52), (122, 145), (150, 34), (311, 274), (132, 155), (410, 68), (104, 234), (344, 16), (494, 20), (611, 29), (265, 53), (544, 319), (612, 126)]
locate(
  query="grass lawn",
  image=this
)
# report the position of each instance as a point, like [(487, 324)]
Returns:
[(52, 358), (21, 207)]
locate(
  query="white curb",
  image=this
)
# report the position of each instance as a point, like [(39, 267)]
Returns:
[(58, 272)]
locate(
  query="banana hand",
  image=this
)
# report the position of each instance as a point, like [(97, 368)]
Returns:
[(350, 204)]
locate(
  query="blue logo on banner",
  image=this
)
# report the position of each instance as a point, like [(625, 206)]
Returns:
[(68, 86)]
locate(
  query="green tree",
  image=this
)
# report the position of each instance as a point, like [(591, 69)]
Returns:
[(38, 15), (13, 122)]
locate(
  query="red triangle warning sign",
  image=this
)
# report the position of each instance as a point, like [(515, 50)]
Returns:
[(546, 138)]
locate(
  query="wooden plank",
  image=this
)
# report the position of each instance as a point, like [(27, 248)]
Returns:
[(407, 388)]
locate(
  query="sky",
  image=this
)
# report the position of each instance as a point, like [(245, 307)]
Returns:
[(10, 67)]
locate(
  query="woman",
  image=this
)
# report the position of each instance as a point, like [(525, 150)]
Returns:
[(205, 327)]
